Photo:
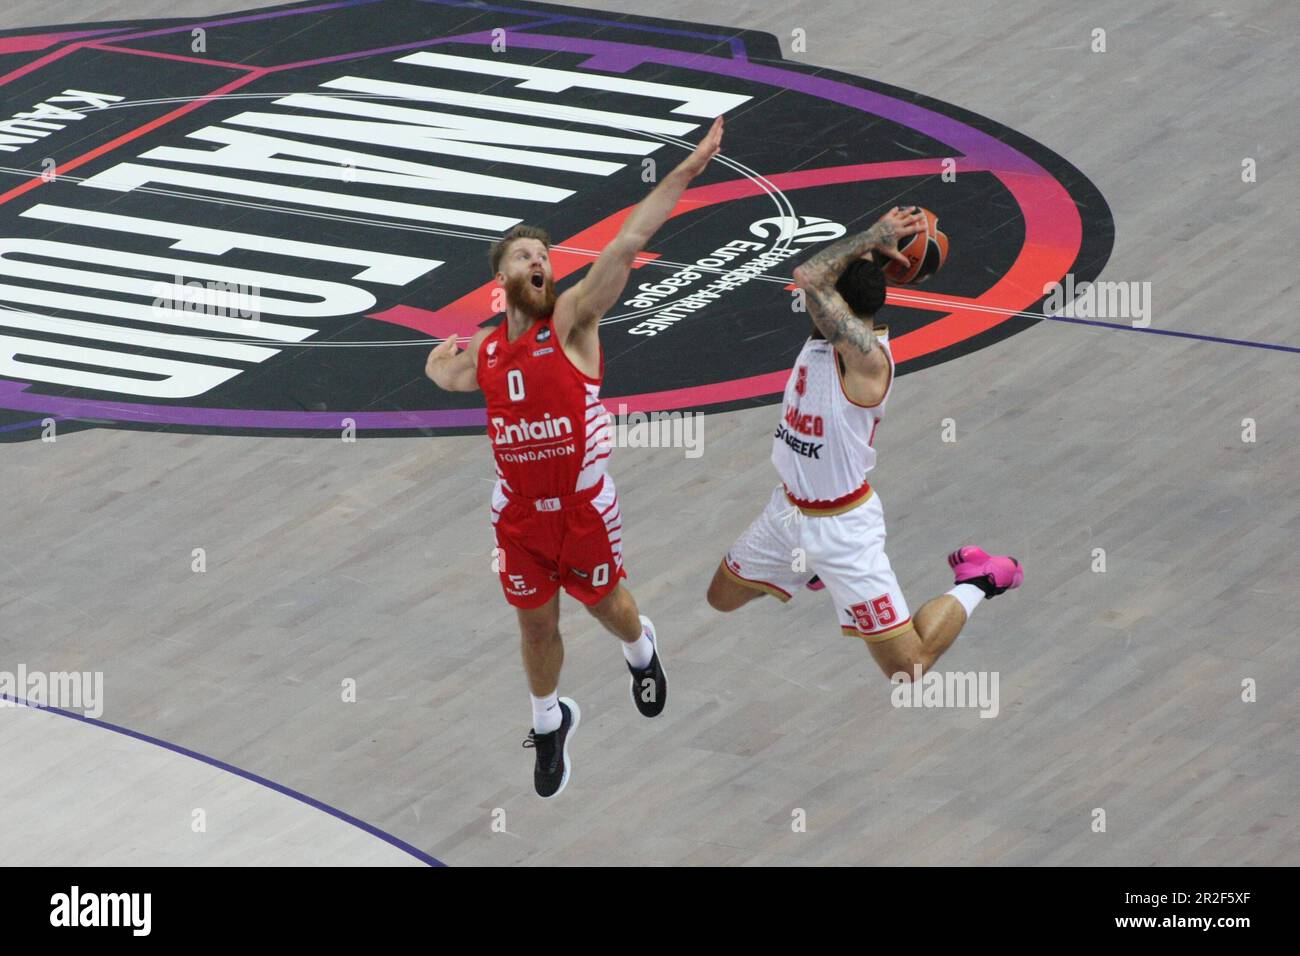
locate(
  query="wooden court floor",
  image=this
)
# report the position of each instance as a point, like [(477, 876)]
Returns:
[(1120, 690)]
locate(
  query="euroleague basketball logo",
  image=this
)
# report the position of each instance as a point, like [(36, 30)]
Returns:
[(273, 242)]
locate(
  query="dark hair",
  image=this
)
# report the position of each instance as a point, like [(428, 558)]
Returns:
[(502, 245), (862, 286)]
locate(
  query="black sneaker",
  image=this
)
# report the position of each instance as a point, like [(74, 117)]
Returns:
[(552, 771), (649, 685)]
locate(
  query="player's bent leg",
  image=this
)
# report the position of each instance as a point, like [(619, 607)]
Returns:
[(617, 611), (937, 624), (759, 562), (911, 653), (728, 590), (592, 559), (978, 576), (898, 655), (726, 593)]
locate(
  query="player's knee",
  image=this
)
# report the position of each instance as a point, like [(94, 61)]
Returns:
[(720, 598), (905, 668), (539, 633), (609, 606)]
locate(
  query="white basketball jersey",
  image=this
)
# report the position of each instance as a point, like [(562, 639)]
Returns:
[(822, 447)]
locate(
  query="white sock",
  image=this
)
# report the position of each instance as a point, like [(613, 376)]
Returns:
[(968, 595), (639, 652), (547, 715)]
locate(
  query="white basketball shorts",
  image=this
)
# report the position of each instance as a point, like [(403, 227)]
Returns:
[(781, 551)]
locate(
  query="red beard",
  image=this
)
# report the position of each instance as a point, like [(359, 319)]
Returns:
[(523, 296)]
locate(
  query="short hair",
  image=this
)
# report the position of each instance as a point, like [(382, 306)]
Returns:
[(862, 286), (502, 245)]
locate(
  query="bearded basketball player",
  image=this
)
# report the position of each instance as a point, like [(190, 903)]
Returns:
[(825, 510), (554, 509)]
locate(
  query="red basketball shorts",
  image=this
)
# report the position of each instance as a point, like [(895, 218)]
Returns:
[(543, 546)]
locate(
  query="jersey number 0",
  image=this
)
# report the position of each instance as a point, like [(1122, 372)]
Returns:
[(515, 384)]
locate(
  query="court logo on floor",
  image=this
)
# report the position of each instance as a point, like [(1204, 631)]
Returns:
[(260, 223)]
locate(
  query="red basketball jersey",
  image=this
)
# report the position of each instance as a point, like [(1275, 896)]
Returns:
[(550, 434)]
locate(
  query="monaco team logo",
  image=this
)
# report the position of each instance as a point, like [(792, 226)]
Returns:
[(272, 243)]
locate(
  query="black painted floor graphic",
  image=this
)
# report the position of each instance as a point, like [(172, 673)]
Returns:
[(260, 223)]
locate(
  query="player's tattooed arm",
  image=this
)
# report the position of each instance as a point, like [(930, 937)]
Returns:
[(591, 298), (453, 370), (832, 315), (817, 277)]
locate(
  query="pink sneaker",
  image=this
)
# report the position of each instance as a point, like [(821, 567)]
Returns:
[(991, 573)]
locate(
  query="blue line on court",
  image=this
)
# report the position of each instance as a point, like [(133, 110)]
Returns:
[(1245, 343), (230, 768)]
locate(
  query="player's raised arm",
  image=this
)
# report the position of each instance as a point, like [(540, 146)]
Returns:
[(818, 276), (454, 370), (580, 308)]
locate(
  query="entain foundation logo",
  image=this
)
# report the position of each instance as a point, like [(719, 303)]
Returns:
[(260, 223)]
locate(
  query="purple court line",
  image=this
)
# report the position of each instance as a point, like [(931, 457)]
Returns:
[(14, 395), (737, 45), (230, 768), (35, 422), (1218, 340)]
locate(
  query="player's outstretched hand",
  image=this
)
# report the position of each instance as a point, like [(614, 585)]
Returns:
[(694, 164), (444, 349), (895, 225)]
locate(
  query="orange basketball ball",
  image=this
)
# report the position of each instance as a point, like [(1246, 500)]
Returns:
[(926, 253)]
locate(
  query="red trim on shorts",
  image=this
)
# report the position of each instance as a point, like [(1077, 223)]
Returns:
[(827, 504), (781, 594)]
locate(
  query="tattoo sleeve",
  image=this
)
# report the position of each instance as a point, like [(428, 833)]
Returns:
[(817, 277), (832, 315)]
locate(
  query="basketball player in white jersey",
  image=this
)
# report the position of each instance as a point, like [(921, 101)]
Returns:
[(824, 525)]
